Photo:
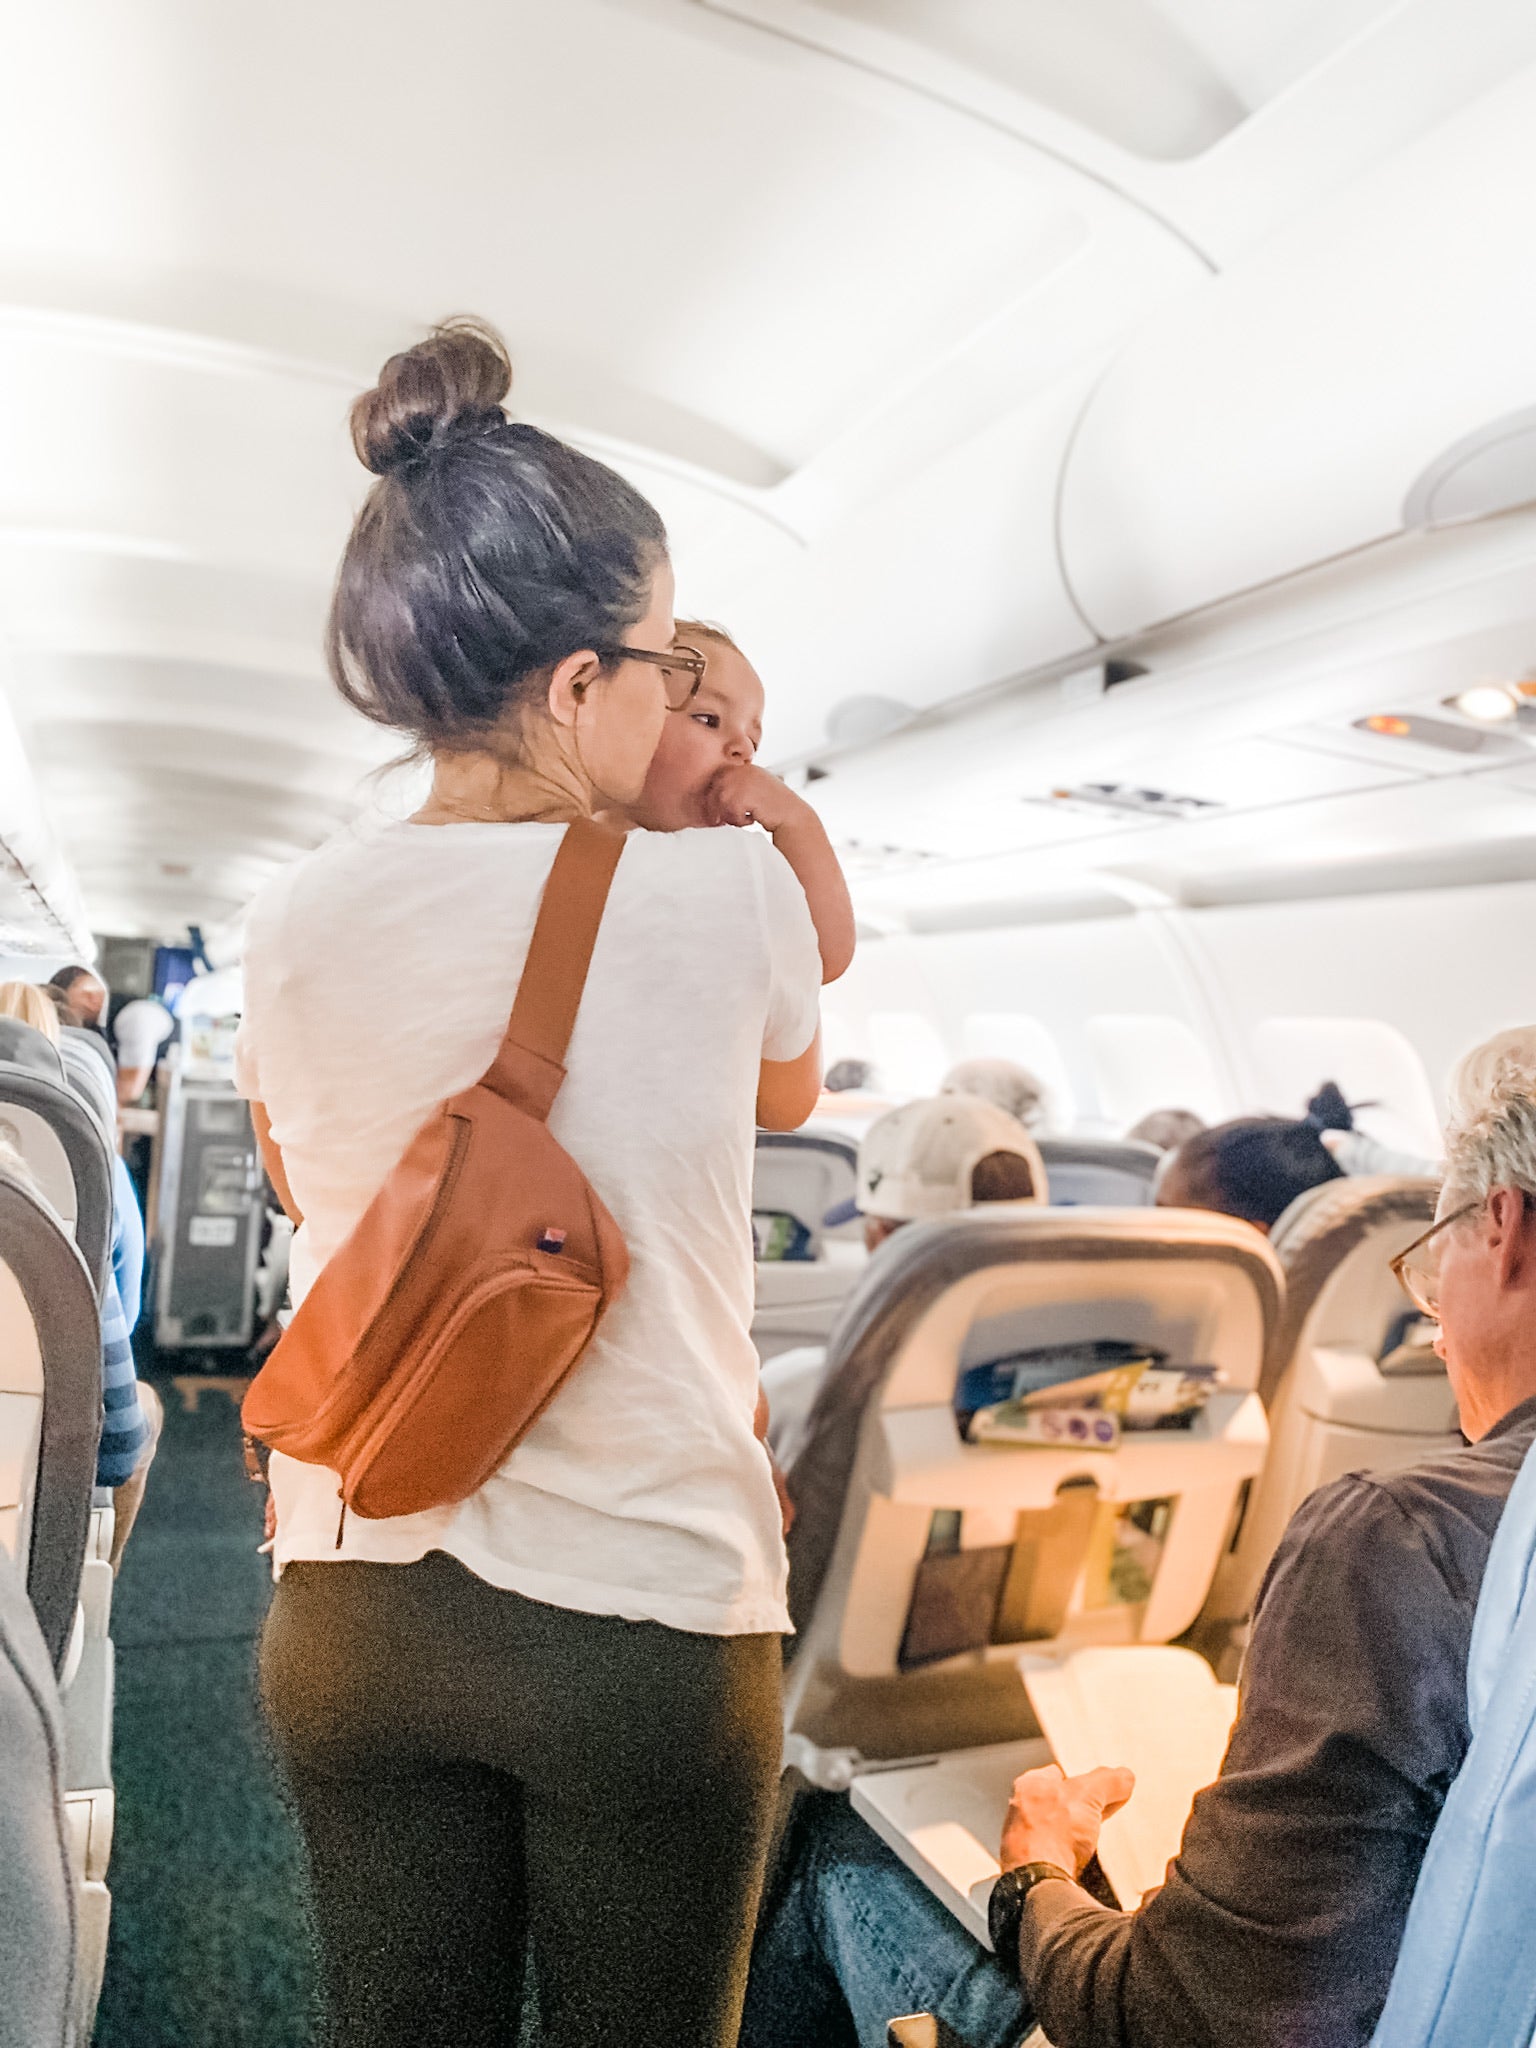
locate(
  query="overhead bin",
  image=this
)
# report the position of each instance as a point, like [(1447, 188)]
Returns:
[(40, 906), (1287, 411)]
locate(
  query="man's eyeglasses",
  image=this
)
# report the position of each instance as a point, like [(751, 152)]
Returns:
[(1418, 1268), (682, 669)]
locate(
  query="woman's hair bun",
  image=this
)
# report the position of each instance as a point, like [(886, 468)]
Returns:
[(454, 380), (1328, 1111)]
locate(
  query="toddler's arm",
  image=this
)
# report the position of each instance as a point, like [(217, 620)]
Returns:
[(746, 796)]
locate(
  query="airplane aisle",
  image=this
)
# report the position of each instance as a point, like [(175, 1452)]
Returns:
[(208, 1943)]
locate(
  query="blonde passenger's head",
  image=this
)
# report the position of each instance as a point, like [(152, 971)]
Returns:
[(21, 999), (720, 727)]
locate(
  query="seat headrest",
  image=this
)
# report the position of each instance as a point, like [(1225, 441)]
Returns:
[(89, 1080), (1130, 1155), (95, 1044), (1353, 1205), (1097, 1170), (1318, 1232), (23, 1045)]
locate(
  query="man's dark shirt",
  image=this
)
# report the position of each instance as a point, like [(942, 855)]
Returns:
[(1280, 1921)]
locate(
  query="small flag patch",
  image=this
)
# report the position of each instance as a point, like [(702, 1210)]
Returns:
[(552, 1240)]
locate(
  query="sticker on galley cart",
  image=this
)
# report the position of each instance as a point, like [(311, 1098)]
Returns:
[(213, 1233)]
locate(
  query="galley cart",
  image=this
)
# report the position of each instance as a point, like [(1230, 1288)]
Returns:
[(209, 1215)]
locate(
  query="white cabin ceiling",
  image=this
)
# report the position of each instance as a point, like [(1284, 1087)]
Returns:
[(833, 282)]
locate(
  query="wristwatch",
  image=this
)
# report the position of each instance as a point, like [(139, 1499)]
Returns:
[(1005, 1909)]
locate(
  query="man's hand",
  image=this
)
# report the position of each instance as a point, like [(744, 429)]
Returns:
[(749, 795), (1054, 1819)]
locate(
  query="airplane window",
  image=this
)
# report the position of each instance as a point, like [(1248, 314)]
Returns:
[(1011, 1035), (1371, 1061), (1147, 1063), (909, 1053)]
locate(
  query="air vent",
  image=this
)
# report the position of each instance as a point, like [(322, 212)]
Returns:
[(1127, 800)]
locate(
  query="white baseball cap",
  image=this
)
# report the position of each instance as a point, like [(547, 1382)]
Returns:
[(917, 1161)]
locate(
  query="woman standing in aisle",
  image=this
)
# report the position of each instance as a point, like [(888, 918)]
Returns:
[(547, 1717)]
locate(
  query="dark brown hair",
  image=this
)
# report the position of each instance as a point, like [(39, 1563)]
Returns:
[(1002, 1177), (486, 553), (1256, 1166)]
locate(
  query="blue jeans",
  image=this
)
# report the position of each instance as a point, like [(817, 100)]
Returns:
[(852, 1939)]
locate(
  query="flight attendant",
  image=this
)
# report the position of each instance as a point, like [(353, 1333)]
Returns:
[(545, 1719)]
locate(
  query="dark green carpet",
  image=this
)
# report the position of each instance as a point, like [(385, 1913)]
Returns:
[(209, 1947)]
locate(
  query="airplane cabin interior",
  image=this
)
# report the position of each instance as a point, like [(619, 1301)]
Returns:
[(1107, 431)]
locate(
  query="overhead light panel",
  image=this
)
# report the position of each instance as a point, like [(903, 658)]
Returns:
[(862, 858), (1487, 703), (1426, 732)]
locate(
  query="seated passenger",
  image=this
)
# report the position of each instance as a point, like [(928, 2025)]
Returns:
[(1011, 1087), (1281, 1917), (27, 1003), (133, 1417), (925, 1159), (1167, 1129), (84, 996), (705, 772), (1256, 1166)]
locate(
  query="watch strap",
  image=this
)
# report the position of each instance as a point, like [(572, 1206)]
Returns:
[(1005, 1909)]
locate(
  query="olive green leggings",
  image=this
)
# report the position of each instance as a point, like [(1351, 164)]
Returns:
[(476, 1774)]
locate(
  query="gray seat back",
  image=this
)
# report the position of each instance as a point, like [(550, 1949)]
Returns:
[(50, 1405), (884, 1472), (37, 1890), (1109, 1173), (1337, 1402), (60, 1140), (805, 1174), (90, 1077)]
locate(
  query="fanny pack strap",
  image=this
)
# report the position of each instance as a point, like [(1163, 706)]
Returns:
[(529, 1067)]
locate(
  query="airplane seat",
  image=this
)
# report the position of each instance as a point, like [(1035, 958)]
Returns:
[(923, 1565), (88, 1070), (804, 1269), (37, 1865), (1349, 1382), (50, 1422), (1108, 1173), (91, 1078), (59, 1140)]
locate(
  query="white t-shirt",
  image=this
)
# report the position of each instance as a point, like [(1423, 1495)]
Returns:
[(141, 1028), (379, 976)]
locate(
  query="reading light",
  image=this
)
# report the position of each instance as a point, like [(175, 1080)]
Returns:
[(1387, 726), (1488, 703)]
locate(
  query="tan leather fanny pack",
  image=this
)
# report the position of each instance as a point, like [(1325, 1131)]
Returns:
[(478, 1274)]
